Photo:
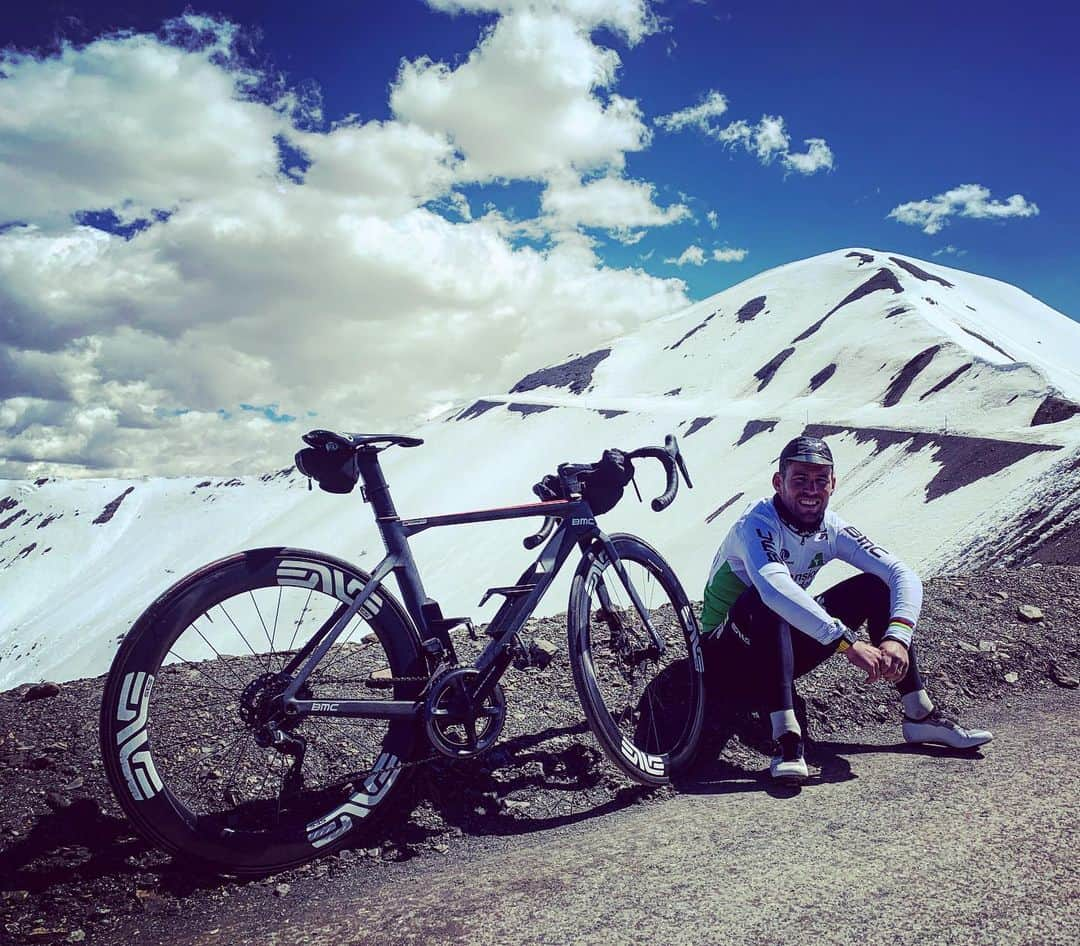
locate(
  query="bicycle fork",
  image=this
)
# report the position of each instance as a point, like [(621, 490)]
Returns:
[(605, 598)]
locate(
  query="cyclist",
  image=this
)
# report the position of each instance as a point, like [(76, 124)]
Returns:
[(756, 595)]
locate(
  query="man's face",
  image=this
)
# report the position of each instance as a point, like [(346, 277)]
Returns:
[(804, 489)]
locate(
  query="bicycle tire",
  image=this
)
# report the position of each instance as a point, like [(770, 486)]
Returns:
[(180, 757), (646, 709)]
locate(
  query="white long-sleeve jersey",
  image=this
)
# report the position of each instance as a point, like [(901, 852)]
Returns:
[(764, 551)]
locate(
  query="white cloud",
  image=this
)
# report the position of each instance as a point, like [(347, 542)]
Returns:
[(699, 116), (737, 133), (767, 140), (770, 139), (950, 250), (967, 200), (714, 219), (692, 256), (728, 255), (387, 167), (526, 103), (124, 123), (609, 203), (817, 157), (346, 295)]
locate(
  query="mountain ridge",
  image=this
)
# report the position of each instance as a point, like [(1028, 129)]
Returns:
[(933, 431)]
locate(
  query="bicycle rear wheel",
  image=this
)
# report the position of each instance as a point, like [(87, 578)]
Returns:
[(181, 735), (645, 703)]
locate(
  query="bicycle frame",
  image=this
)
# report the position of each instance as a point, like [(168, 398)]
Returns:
[(577, 527)]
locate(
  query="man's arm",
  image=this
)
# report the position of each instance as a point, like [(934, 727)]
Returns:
[(779, 591), (905, 588)]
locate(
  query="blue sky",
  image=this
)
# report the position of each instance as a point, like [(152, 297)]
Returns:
[(474, 245), (913, 100)]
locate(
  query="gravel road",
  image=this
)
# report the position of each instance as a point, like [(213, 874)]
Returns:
[(887, 844)]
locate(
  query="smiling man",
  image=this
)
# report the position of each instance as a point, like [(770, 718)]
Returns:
[(762, 629)]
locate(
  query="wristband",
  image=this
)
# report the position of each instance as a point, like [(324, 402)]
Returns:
[(900, 631)]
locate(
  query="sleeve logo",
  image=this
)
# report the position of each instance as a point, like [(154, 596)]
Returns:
[(865, 543)]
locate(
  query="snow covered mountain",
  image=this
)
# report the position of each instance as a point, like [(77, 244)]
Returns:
[(950, 401)]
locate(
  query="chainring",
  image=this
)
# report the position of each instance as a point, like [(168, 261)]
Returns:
[(458, 725)]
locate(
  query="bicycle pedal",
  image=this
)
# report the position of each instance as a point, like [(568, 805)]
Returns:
[(433, 646)]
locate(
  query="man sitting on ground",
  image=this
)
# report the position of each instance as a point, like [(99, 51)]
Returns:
[(762, 630)]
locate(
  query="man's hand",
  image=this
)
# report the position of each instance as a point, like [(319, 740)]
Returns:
[(866, 657), (895, 660)]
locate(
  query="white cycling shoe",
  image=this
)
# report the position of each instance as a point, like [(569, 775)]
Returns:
[(790, 765), (938, 729)]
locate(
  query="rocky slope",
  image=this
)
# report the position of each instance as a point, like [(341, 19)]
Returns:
[(71, 869)]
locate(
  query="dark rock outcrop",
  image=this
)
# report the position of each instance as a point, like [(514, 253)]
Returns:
[(110, 510), (753, 428), (822, 376), (907, 375), (964, 460), (476, 409), (1053, 410), (919, 273), (575, 374), (946, 381), (526, 409), (765, 373), (751, 309), (884, 278)]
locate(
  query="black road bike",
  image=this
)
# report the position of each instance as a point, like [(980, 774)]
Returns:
[(269, 703)]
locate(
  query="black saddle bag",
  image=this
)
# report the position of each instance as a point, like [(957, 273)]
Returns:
[(334, 469)]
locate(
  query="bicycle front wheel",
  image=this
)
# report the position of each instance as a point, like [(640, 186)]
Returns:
[(643, 695), (182, 720)]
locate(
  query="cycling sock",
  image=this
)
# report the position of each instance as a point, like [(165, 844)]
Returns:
[(917, 704), (784, 721)]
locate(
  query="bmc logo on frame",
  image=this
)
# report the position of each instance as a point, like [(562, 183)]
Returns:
[(324, 707), (582, 522)]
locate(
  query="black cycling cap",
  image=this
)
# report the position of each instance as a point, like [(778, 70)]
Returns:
[(807, 450)]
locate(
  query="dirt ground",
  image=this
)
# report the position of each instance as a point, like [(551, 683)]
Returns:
[(71, 869)]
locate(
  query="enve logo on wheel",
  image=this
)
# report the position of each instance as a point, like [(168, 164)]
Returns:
[(136, 763), (331, 581), (332, 826), (653, 764)]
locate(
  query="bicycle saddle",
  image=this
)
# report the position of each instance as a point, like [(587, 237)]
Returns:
[(324, 438)]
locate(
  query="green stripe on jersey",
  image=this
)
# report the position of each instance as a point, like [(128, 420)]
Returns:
[(720, 594)]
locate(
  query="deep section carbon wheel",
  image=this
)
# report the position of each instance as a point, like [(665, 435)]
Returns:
[(196, 746), (643, 691)]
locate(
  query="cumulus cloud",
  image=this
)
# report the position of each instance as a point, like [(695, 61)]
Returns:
[(124, 123), (714, 219), (610, 203), (967, 200), (527, 103), (950, 250), (354, 288), (729, 255), (767, 140), (691, 256)]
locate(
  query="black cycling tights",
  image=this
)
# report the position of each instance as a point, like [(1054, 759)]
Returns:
[(754, 662)]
